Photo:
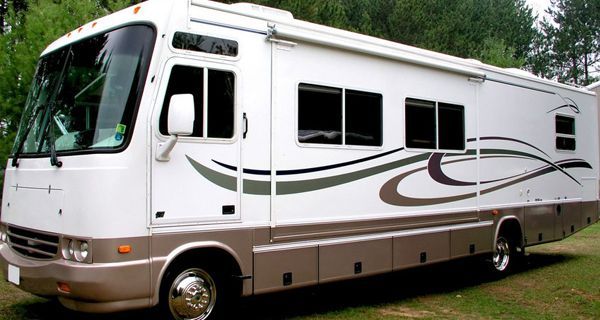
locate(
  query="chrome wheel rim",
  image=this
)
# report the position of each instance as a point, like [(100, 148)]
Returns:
[(501, 254), (192, 295)]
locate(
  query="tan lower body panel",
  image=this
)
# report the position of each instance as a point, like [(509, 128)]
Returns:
[(102, 287), (351, 250), (420, 249), (289, 257), (347, 260), (281, 267), (285, 269)]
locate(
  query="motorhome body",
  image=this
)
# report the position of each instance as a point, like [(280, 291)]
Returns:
[(196, 147)]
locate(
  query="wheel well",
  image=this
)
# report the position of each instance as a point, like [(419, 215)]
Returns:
[(511, 230), (211, 258)]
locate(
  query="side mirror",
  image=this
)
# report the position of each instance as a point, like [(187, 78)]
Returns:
[(180, 123), (181, 115)]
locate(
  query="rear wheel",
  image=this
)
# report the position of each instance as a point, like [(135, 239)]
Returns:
[(501, 259)]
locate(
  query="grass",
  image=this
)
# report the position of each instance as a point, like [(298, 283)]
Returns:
[(559, 280)]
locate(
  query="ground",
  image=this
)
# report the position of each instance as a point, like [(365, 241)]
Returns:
[(559, 280)]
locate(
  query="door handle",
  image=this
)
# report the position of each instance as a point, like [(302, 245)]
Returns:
[(245, 126)]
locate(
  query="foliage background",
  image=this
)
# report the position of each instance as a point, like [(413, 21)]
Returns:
[(499, 32)]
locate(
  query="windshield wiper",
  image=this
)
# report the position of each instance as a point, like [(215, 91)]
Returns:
[(15, 160), (51, 139), (49, 131)]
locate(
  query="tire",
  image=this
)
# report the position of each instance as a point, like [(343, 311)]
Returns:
[(503, 255), (192, 293)]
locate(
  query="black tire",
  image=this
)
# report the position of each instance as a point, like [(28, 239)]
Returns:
[(191, 292), (502, 255), (506, 255)]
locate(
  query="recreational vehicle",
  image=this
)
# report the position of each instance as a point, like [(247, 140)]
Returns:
[(181, 153)]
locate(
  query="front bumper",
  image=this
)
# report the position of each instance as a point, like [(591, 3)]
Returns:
[(100, 287)]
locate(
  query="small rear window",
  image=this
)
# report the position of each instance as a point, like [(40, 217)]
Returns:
[(206, 44)]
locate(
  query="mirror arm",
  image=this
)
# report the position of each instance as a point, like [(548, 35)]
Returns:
[(163, 150)]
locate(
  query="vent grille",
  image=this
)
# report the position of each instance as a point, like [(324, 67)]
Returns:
[(33, 243)]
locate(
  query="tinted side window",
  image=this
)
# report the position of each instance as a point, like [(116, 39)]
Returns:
[(206, 44), (420, 124), (183, 80), (565, 133), (451, 127), (319, 114), (363, 118), (221, 88)]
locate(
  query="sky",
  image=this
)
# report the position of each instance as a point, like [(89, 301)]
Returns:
[(539, 6)]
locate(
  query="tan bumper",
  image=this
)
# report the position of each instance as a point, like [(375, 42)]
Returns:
[(105, 287)]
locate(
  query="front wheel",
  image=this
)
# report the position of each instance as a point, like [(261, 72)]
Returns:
[(192, 294)]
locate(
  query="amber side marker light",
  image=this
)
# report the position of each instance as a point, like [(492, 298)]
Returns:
[(64, 287), (124, 249), (495, 212), (136, 9)]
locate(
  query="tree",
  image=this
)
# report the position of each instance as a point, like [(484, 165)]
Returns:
[(495, 31), (33, 26), (570, 41)]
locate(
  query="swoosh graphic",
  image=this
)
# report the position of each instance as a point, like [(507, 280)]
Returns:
[(389, 194), (574, 107), (308, 170), (291, 187), (348, 163)]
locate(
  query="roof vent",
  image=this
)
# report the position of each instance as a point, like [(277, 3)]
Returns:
[(264, 11)]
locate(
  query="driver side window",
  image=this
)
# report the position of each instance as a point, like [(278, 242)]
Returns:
[(214, 102)]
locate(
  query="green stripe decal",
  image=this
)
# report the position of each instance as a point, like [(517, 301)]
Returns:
[(222, 180), (291, 187), (256, 187)]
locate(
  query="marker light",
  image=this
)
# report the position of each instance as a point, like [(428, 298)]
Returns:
[(124, 249), (136, 9), (64, 287)]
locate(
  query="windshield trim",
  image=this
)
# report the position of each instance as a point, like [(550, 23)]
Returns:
[(140, 88)]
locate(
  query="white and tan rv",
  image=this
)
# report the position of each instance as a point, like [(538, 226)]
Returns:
[(179, 153)]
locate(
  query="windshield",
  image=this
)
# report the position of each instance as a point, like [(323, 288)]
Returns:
[(83, 96)]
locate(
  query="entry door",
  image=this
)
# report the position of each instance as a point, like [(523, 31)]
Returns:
[(201, 181)]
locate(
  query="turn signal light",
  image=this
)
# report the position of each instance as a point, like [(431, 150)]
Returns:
[(136, 9), (124, 249), (64, 287)]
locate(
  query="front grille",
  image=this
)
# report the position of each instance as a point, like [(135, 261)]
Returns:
[(33, 244)]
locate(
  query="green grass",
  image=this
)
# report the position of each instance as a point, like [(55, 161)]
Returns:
[(559, 280)]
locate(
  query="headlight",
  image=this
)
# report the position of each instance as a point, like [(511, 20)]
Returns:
[(3, 233), (77, 250), (83, 250), (71, 248)]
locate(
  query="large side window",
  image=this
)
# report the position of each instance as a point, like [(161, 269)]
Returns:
[(434, 125), (319, 114), (565, 133), (420, 124), (363, 118), (451, 120), (214, 108), (328, 115)]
